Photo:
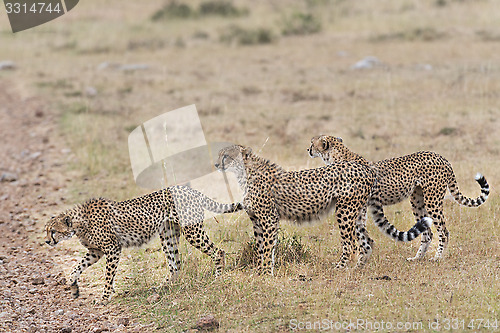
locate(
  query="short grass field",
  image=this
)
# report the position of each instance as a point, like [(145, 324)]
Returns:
[(271, 75)]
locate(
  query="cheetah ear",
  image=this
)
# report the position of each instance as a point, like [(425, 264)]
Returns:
[(67, 221), (340, 139), (246, 151), (325, 144)]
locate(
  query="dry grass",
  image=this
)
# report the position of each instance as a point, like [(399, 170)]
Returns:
[(436, 89)]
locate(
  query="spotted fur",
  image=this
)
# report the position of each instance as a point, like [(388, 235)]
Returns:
[(105, 226), (271, 193), (422, 176)]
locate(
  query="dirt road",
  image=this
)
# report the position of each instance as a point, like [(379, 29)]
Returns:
[(34, 177)]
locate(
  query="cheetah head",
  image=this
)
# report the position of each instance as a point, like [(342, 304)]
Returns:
[(59, 228), (329, 148), (232, 158)]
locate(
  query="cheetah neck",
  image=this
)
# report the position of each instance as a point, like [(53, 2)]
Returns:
[(256, 165), (348, 155)]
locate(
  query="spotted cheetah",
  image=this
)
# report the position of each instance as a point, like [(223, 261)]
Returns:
[(105, 226), (423, 176), (271, 193)]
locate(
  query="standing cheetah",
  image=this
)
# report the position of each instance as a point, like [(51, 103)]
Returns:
[(271, 193), (105, 226), (423, 176)]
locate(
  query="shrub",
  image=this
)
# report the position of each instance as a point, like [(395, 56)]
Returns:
[(178, 10), (289, 249), (425, 34), (173, 10), (242, 36), (301, 24), (221, 8)]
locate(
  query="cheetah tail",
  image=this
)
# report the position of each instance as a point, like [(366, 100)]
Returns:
[(388, 229), (220, 208), (377, 211), (462, 200)]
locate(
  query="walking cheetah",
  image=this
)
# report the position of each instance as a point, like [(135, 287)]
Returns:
[(271, 193), (423, 176), (105, 226)]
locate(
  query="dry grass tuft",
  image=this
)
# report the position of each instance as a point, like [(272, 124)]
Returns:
[(289, 249)]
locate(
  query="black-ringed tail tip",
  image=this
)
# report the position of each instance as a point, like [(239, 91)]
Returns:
[(426, 221), (485, 189), (421, 226)]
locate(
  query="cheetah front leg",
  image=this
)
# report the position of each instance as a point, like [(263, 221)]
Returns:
[(269, 240), (418, 208), (112, 259), (170, 244), (259, 241), (88, 260)]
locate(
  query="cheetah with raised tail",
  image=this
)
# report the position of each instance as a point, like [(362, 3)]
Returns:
[(105, 226), (423, 176), (271, 193)]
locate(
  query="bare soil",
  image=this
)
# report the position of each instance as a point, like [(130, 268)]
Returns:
[(33, 294)]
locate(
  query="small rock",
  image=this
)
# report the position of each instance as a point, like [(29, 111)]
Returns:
[(33, 291), (35, 155), (105, 65), (123, 321), (424, 67), (207, 323), (153, 298), (8, 177), (90, 91), (7, 65), (367, 63), (65, 330), (37, 281), (59, 312), (385, 277), (65, 150), (133, 67)]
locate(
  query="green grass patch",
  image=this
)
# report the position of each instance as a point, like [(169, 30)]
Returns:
[(300, 23), (235, 34), (180, 10), (425, 34)]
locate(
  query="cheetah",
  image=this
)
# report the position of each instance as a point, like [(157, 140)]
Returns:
[(271, 193), (105, 226), (423, 176)]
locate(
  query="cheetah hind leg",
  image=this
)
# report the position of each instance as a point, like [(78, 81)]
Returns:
[(365, 242), (424, 245), (417, 205), (170, 245), (198, 238)]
